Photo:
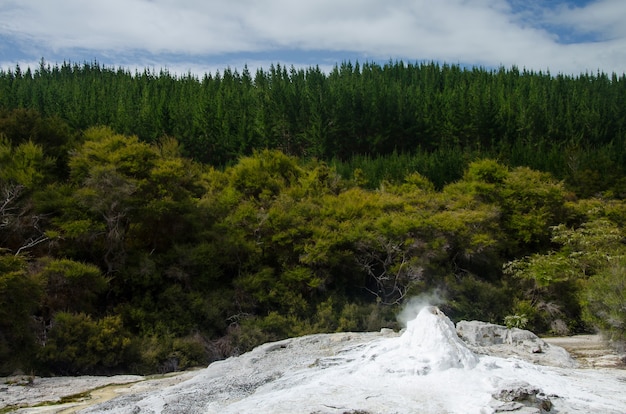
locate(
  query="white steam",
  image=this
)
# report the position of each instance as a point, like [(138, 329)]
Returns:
[(413, 306)]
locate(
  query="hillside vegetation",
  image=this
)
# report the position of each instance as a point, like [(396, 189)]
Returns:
[(150, 222)]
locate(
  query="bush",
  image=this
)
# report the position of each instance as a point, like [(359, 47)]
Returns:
[(470, 298), (366, 317), (516, 321), (189, 352), (78, 345), (20, 293), (335, 315), (162, 353), (242, 337), (605, 296)]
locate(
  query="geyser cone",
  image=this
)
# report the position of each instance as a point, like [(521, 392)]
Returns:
[(432, 342)]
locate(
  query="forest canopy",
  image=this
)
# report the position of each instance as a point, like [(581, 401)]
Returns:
[(557, 123), (150, 222)]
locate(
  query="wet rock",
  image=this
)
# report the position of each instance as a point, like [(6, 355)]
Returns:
[(520, 397)]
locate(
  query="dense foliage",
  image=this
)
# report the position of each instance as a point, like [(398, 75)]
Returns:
[(435, 113), (210, 215)]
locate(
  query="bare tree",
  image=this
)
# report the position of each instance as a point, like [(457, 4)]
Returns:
[(21, 229), (109, 194), (391, 266)]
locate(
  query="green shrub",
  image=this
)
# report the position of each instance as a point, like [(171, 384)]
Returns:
[(473, 299), (516, 321), (358, 318), (162, 354), (189, 351), (78, 345), (20, 293), (244, 336), (605, 299)]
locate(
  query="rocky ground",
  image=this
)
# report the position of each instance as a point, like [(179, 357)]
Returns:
[(24, 394), (590, 351)]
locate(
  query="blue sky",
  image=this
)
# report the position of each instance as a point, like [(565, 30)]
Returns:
[(201, 36)]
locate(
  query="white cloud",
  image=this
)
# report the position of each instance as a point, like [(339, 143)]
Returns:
[(484, 32), (605, 18)]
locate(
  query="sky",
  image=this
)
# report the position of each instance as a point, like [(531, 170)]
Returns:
[(205, 36)]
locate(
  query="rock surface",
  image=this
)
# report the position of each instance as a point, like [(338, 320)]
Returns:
[(497, 340), (426, 369)]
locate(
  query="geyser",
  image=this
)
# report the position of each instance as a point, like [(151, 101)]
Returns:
[(431, 337), (429, 344)]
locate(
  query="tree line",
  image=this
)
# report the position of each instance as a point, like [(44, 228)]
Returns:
[(125, 252), (560, 123)]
